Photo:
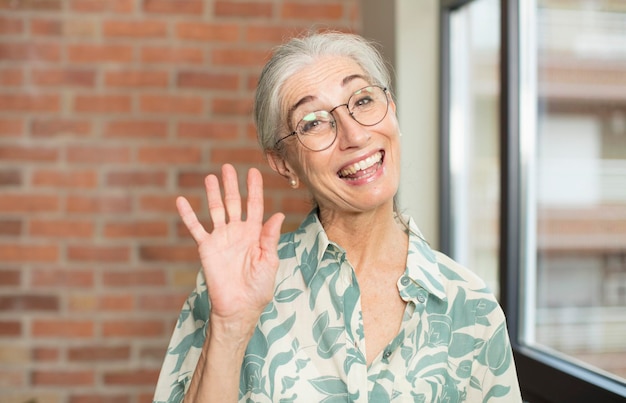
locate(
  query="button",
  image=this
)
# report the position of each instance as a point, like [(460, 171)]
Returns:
[(405, 280), (421, 298), (386, 354)]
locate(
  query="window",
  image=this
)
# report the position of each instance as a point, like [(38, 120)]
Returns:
[(557, 166)]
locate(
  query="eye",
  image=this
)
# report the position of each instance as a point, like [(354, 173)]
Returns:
[(314, 123)]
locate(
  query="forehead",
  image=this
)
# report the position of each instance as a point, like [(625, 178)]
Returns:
[(320, 80)]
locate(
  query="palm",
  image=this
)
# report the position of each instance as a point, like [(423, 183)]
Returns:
[(239, 258)]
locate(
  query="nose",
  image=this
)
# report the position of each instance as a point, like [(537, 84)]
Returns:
[(350, 133)]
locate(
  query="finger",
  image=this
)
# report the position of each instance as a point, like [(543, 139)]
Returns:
[(214, 199), (270, 234), (255, 195), (190, 219), (232, 197)]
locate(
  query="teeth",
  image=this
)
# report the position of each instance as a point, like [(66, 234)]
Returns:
[(362, 165)]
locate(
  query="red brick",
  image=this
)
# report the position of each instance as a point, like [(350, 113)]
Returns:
[(134, 29), (98, 154), (152, 353), (12, 379), (101, 397), (46, 27), (28, 253), (61, 127), (136, 229), (162, 302), (169, 253), (165, 204), (11, 127), (133, 328), (16, 51), (30, 103), (83, 53), (206, 32), (251, 156), (28, 203), (10, 177), (239, 57), (171, 104), (137, 78), (136, 179), (10, 278), (308, 11), (65, 228), (232, 106), (194, 180), (63, 378), (28, 153), (169, 155), (64, 77), (11, 26), (11, 77), (95, 353), (29, 302), (169, 7), (73, 329), (101, 254), (207, 130), (116, 303), (46, 354), (65, 179), (98, 204), (34, 5), (102, 103), (134, 278), (211, 81), (270, 34), (97, 6), (243, 9), (10, 328), (177, 55), (137, 129), (132, 377), (62, 278)]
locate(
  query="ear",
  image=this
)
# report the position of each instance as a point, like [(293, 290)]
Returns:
[(279, 164)]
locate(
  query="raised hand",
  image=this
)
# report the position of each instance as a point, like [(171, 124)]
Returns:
[(239, 257)]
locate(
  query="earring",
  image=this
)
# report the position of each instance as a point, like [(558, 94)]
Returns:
[(294, 183)]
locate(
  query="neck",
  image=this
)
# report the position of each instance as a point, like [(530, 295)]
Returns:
[(370, 239)]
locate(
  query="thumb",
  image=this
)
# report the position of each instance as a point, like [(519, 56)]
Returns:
[(270, 233)]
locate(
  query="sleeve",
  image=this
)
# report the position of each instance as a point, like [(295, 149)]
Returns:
[(185, 346), (495, 378)]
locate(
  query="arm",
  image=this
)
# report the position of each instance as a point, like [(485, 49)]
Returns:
[(239, 263)]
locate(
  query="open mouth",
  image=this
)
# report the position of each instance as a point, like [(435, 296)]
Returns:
[(362, 168)]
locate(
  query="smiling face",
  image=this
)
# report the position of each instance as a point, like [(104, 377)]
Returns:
[(360, 171)]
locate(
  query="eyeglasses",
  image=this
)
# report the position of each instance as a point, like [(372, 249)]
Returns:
[(317, 131)]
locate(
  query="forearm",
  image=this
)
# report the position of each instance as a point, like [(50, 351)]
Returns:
[(216, 378)]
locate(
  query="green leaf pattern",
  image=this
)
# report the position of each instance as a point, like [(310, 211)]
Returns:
[(309, 344)]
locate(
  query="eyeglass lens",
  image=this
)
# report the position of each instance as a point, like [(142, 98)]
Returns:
[(318, 130)]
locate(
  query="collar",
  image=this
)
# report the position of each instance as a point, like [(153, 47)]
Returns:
[(311, 240)]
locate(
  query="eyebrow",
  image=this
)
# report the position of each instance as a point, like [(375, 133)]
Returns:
[(309, 98)]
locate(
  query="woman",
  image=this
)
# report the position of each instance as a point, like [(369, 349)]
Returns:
[(352, 306)]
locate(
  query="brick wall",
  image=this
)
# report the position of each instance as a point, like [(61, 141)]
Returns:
[(109, 109)]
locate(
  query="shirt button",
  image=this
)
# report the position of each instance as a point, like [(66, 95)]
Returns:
[(386, 354), (405, 280), (421, 299)]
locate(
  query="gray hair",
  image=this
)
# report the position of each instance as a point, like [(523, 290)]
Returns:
[(298, 53)]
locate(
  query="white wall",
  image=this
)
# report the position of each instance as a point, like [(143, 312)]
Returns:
[(417, 81), (408, 31)]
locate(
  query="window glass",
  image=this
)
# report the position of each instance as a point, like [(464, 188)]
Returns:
[(474, 137), (576, 288)]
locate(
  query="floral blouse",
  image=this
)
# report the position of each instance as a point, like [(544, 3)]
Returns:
[(309, 343)]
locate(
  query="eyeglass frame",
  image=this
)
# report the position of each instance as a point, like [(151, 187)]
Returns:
[(330, 112)]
